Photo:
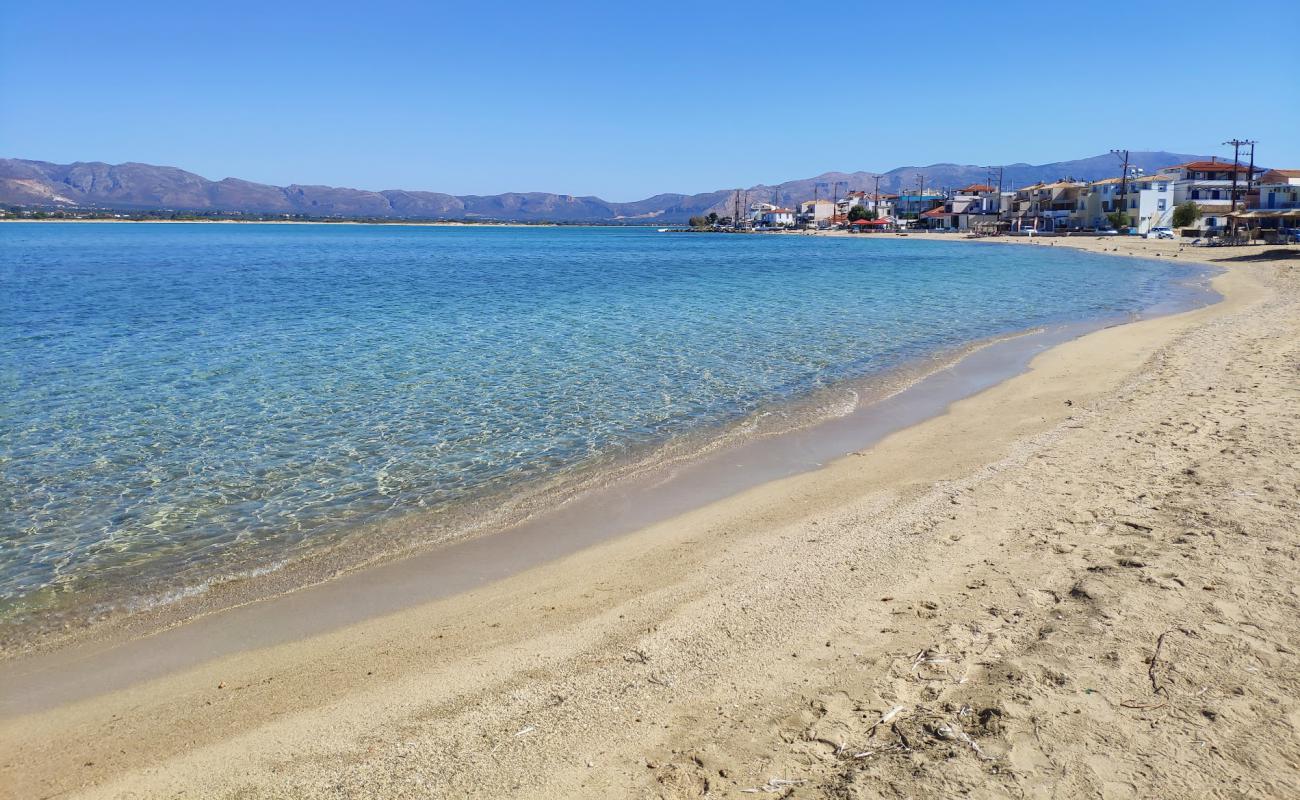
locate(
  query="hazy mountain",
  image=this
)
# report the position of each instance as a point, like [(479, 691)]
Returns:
[(133, 186)]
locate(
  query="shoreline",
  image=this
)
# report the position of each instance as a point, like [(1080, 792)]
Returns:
[(319, 594), (674, 476), (686, 550)]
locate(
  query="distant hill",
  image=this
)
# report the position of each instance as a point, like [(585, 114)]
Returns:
[(134, 186)]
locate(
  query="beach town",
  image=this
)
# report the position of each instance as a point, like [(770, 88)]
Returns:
[(429, 448), (1208, 201)]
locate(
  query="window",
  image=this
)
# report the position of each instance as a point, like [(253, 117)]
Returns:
[(1196, 194), (1214, 195), (1160, 187), (1160, 204)]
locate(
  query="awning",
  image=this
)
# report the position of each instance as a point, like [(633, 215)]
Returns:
[(1264, 213)]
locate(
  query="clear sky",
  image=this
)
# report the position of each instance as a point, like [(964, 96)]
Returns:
[(624, 100)]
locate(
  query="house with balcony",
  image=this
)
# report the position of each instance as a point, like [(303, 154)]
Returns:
[(979, 198), (1209, 184), (1274, 209), (817, 213), (910, 205), (1045, 207), (970, 208), (882, 204), (1147, 200)]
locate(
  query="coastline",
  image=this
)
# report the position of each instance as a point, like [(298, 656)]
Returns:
[(550, 516), (540, 517), (662, 576)]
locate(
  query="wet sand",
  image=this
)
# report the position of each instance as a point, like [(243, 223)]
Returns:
[(1032, 551)]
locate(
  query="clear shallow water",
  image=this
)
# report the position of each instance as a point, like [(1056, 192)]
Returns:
[(186, 399)]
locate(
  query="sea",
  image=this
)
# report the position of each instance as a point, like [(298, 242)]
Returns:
[(190, 404)]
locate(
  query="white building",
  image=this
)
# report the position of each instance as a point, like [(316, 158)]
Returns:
[(1279, 189), (1148, 201), (756, 211), (1209, 185), (777, 218)]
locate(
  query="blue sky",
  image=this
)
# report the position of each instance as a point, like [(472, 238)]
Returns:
[(627, 100)]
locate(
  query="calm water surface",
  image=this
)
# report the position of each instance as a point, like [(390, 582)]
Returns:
[(183, 400)]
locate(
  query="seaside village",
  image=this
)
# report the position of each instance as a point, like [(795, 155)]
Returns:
[(1211, 202)]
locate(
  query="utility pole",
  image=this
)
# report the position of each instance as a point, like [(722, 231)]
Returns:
[(1123, 181), (1236, 164), (735, 214), (920, 192), (875, 201), (835, 203), (1000, 192), (1250, 179)]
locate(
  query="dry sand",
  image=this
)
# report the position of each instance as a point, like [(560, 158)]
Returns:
[(1080, 583)]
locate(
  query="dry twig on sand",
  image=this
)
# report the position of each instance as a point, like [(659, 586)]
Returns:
[(1157, 687)]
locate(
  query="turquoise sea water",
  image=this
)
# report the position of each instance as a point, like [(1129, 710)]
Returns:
[(181, 400)]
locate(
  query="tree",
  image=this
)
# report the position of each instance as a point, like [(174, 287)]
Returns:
[(700, 222), (860, 212), (713, 218), (1118, 220), (1186, 214)]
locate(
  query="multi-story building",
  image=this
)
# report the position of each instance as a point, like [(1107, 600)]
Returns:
[(776, 217), (973, 207), (816, 212), (882, 204), (1274, 212), (1148, 202), (1209, 184), (1278, 189), (1045, 207), (914, 203), (979, 198)]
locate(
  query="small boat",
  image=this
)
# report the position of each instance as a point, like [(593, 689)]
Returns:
[(663, 230)]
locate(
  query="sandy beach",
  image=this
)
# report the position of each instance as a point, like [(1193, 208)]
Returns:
[(1081, 582)]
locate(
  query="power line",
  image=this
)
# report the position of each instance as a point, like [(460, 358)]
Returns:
[(1123, 183), (1236, 165)]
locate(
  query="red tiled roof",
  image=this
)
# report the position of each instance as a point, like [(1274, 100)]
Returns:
[(936, 212), (978, 187), (1212, 166), (1279, 173)]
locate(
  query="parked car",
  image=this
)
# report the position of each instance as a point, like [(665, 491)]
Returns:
[(1160, 233)]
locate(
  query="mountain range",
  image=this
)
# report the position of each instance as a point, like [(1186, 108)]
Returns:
[(145, 187)]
